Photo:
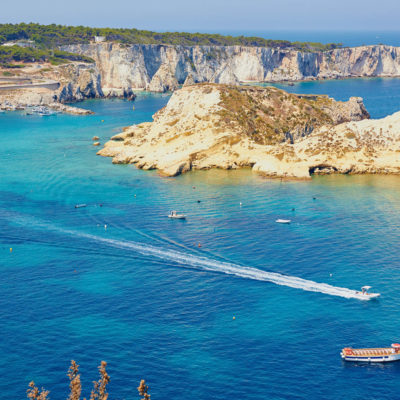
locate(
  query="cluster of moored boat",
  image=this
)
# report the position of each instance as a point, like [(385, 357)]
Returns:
[(40, 110), (29, 110)]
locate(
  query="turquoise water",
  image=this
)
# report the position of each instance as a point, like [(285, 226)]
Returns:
[(142, 295)]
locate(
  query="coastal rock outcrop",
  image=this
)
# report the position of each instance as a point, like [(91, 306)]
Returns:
[(51, 86), (274, 132), (125, 67), (163, 80)]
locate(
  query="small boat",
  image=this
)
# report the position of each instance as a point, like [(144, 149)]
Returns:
[(384, 354), (283, 221), (364, 294), (174, 215), (80, 205)]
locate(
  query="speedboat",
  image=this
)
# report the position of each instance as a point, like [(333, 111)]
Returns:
[(174, 215), (283, 221), (382, 354), (365, 295), (80, 205)]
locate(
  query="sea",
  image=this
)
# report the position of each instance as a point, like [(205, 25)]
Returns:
[(226, 304)]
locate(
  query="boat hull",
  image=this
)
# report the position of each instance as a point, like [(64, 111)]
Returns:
[(371, 359), (367, 296)]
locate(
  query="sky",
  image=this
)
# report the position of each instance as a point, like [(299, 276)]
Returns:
[(209, 15)]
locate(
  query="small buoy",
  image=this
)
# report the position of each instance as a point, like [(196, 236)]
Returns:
[(330, 275), (105, 226), (240, 204), (199, 201), (133, 108), (134, 195), (10, 249), (234, 318), (314, 198)]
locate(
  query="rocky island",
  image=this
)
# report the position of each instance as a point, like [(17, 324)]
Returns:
[(275, 133)]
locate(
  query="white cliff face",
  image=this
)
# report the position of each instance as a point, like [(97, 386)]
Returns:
[(126, 68), (163, 80), (78, 81)]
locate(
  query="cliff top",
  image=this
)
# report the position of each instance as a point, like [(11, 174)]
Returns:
[(59, 35), (268, 115)]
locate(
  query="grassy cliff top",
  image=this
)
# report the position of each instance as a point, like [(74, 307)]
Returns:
[(11, 54), (271, 115), (57, 35)]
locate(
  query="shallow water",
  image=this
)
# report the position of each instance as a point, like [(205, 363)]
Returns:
[(142, 295)]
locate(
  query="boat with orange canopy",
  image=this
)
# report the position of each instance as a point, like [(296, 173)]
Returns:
[(384, 354)]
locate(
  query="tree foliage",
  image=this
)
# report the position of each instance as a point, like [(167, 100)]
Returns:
[(143, 390), (29, 54), (51, 36)]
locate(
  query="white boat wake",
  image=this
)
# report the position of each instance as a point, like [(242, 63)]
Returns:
[(207, 264), (198, 262)]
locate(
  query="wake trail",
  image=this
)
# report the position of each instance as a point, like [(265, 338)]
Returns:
[(207, 264), (194, 261)]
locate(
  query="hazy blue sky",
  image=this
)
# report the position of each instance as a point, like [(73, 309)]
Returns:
[(211, 15)]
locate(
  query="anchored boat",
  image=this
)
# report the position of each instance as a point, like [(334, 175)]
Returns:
[(174, 215), (384, 354), (283, 221)]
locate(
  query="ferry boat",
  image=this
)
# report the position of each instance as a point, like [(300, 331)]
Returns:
[(384, 354)]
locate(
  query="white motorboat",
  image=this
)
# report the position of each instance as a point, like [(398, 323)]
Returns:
[(365, 295), (283, 221), (174, 215), (374, 355)]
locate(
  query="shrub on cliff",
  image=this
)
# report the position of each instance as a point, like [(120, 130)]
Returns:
[(99, 391)]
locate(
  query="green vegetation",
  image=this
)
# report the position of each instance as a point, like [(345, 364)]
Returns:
[(51, 36), (28, 54)]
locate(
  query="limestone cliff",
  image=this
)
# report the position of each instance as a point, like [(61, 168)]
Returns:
[(276, 133), (45, 84), (124, 67)]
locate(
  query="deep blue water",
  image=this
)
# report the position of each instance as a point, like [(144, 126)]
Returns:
[(140, 293), (381, 95)]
